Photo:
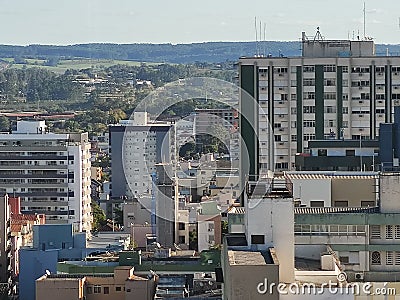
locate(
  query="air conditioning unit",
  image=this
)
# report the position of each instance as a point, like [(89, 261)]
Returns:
[(359, 276), (395, 73), (360, 74), (380, 73), (380, 116), (361, 129), (281, 129), (380, 101), (280, 102), (360, 87), (280, 74), (281, 143), (280, 116), (360, 101)]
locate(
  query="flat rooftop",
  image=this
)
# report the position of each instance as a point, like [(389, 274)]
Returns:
[(246, 258)]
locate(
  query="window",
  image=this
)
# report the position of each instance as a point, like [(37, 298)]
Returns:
[(257, 239), (330, 109), (350, 152), (375, 258), (308, 81), (345, 69), (309, 109), (329, 68), (367, 203), (316, 203), (118, 289), (345, 110), (341, 203), (182, 239), (308, 69), (181, 226), (397, 232), (294, 138), (329, 82), (89, 290), (389, 232), (309, 95), (106, 290), (97, 289), (389, 257), (310, 123), (375, 232), (344, 259), (397, 258)]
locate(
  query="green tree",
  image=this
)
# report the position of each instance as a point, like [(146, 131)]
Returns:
[(99, 216), (4, 124)]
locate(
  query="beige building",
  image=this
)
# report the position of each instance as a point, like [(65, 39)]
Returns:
[(121, 285), (336, 189)]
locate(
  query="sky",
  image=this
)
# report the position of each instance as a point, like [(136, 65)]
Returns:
[(57, 22)]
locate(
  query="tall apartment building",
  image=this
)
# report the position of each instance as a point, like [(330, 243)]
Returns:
[(136, 147), (5, 241), (336, 89), (50, 172)]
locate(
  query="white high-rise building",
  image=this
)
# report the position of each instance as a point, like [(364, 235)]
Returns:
[(136, 146), (50, 172), (336, 89)]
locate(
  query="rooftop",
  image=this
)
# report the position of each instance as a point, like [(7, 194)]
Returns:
[(246, 258)]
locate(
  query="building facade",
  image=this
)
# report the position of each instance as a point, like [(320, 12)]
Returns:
[(336, 89), (136, 147), (49, 172)]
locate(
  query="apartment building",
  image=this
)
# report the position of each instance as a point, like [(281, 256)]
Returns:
[(136, 146), (336, 89), (49, 172), (5, 241)]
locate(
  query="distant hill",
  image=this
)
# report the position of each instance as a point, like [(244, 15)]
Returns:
[(180, 53)]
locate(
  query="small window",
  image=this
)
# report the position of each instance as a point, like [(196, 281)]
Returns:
[(118, 289), (257, 239), (375, 231), (97, 289), (316, 203), (341, 203), (89, 290), (181, 226), (106, 290), (344, 259), (376, 258), (367, 203), (389, 257)]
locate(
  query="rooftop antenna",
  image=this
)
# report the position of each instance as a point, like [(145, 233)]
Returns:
[(255, 27), (265, 33), (364, 20), (260, 40)]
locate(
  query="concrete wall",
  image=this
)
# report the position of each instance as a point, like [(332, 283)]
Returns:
[(353, 190), (274, 219), (68, 288), (308, 190), (389, 189)]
